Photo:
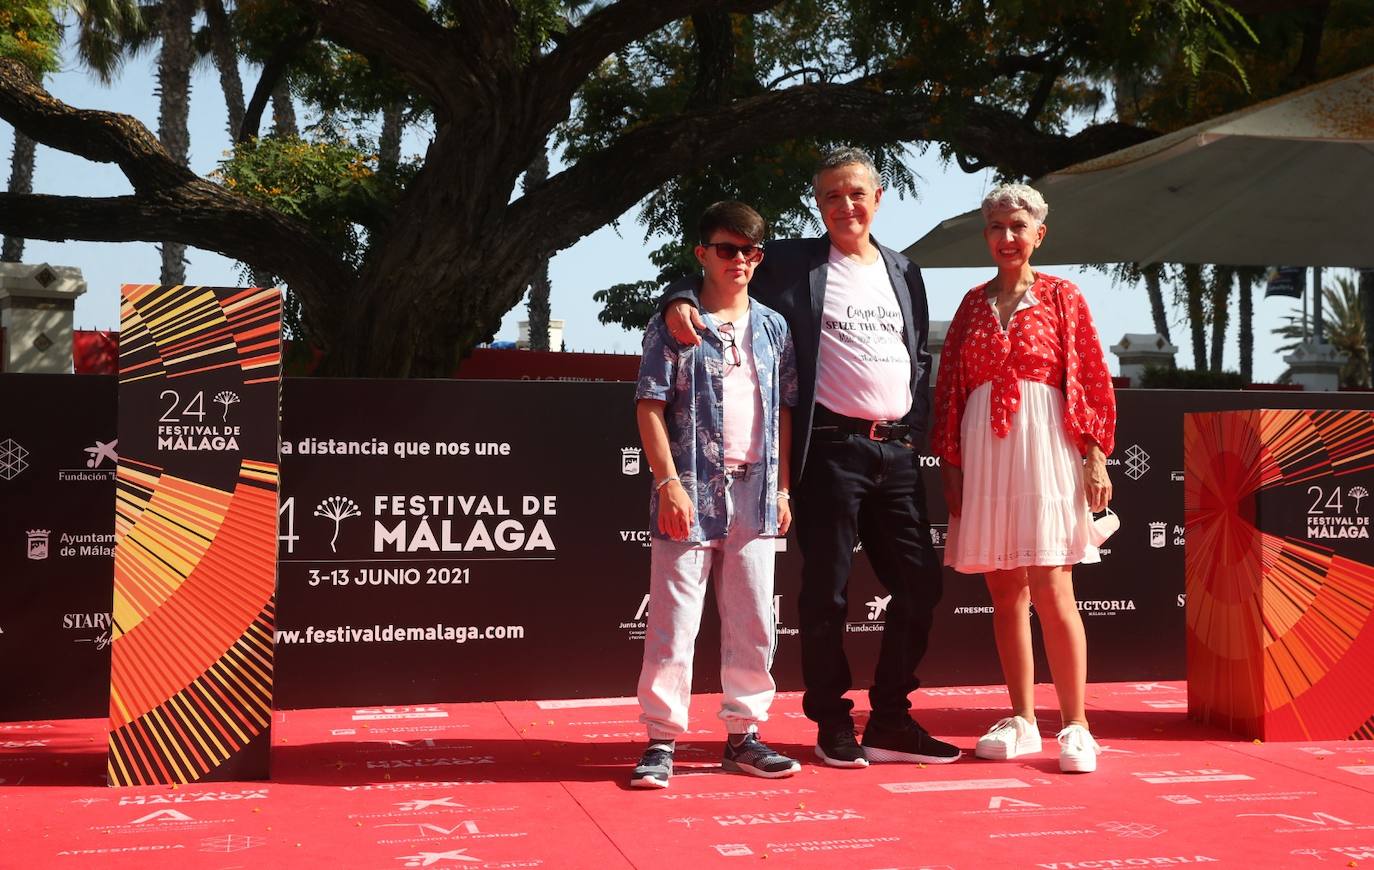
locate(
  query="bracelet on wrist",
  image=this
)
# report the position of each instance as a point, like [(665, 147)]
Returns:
[(782, 493), (664, 482)]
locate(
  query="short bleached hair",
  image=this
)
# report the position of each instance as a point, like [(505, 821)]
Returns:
[(1009, 197)]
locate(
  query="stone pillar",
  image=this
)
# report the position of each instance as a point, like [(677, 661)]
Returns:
[(36, 308), (555, 335), (1136, 350), (1316, 365)]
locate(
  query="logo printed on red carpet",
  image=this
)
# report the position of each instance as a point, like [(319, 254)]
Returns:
[(731, 795), (375, 714), (460, 857), (952, 785), (1009, 806), (1112, 863), (1318, 820), (185, 797), (847, 843), (1242, 797), (419, 804), (785, 817), (1203, 775), (230, 843)]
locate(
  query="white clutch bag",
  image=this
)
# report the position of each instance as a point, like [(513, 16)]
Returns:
[(1103, 527)]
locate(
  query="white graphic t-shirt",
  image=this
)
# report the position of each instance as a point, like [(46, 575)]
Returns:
[(743, 424), (864, 369)]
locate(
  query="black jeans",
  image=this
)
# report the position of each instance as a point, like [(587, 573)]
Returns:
[(869, 491)]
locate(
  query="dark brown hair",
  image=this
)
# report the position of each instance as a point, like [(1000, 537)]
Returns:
[(735, 217)]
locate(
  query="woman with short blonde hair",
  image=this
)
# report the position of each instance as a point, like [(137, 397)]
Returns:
[(1024, 419)]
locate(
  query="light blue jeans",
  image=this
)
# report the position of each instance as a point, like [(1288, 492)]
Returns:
[(743, 566)]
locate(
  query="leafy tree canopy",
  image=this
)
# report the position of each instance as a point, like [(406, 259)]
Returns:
[(31, 34), (672, 104)]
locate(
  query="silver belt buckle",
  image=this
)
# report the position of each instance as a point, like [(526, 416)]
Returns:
[(873, 430)]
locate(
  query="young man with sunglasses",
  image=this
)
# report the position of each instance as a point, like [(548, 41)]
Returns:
[(858, 313), (715, 419)]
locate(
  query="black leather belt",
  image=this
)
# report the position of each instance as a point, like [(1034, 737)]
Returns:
[(827, 420)]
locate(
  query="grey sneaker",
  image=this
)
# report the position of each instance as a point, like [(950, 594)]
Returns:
[(655, 767), (752, 756)]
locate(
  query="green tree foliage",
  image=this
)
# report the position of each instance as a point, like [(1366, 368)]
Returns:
[(31, 34), (662, 104)]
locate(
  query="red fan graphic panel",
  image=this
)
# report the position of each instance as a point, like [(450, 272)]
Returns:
[(195, 534), (1280, 572)]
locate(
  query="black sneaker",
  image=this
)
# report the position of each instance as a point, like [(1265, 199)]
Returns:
[(838, 748), (655, 768), (751, 755), (905, 740)]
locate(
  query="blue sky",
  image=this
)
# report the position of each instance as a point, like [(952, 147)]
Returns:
[(609, 256)]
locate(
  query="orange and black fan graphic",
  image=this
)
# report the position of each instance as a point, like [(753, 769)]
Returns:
[(195, 532), (1279, 577)]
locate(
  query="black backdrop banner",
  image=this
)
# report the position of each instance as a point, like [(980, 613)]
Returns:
[(451, 540), (57, 465)]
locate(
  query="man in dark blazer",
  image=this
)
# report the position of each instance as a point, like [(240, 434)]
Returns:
[(858, 315)]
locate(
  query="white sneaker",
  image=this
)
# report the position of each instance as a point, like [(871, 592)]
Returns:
[(1077, 750), (1009, 738)]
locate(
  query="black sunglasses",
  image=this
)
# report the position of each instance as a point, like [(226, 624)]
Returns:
[(728, 251)]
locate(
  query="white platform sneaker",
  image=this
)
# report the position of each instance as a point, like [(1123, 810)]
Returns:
[(1078, 750), (1009, 738)]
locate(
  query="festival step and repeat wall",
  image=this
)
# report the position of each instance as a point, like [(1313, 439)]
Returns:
[(58, 454), (450, 540)]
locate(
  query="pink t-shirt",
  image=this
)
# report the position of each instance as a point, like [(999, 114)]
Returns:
[(864, 368), (743, 420)]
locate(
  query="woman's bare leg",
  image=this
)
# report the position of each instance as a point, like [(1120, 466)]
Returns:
[(1051, 590), (1011, 627)]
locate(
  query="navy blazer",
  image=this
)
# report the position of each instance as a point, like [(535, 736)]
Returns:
[(791, 281)]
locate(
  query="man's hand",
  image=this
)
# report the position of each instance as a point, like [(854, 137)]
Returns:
[(674, 511), (952, 476), (784, 515), (1097, 486), (684, 322)]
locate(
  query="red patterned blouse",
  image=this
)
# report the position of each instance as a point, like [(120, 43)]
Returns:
[(1052, 341)]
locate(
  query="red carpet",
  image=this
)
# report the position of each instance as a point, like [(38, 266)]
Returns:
[(542, 784)]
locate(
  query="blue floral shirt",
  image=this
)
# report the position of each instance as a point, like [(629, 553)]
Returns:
[(691, 381)]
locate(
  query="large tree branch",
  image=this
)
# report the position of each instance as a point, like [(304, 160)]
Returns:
[(170, 204), (104, 137), (613, 27), (412, 42), (649, 155), (715, 57), (201, 214), (273, 74)]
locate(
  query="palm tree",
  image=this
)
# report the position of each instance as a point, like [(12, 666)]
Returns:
[(174, 62), (1219, 309), (1345, 330), (219, 37), (21, 181), (1248, 276), (1193, 286), (1152, 273), (34, 38), (110, 31), (1367, 308)]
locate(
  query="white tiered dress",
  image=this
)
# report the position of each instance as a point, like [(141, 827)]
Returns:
[(1023, 499)]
